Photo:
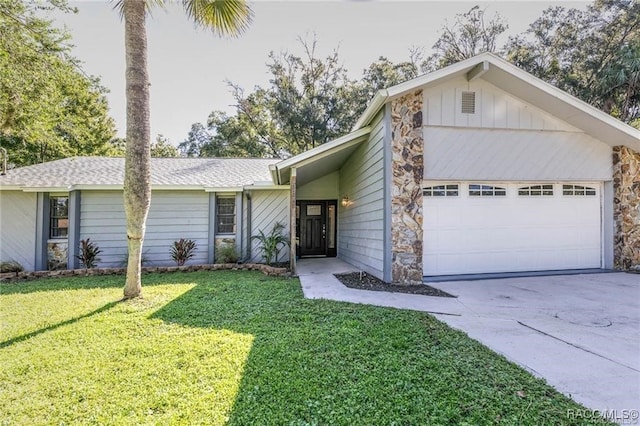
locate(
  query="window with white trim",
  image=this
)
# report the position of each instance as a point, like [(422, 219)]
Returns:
[(478, 190), (536, 190), (440, 191), (226, 215), (578, 190)]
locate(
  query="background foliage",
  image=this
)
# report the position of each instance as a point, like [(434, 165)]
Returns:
[(593, 54), (49, 108)]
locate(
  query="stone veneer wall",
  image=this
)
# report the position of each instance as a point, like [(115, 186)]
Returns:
[(57, 252), (407, 166), (626, 209)]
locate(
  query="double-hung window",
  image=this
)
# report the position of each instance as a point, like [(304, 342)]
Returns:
[(225, 215), (59, 217)]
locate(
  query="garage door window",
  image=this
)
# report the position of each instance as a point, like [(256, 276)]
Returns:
[(578, 190), (536, 190), (440, 191), (476, 190)]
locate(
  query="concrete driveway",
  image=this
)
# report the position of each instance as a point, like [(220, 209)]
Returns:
[(581, 333)]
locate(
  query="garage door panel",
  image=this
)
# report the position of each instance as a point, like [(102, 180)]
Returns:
[(465, 234)]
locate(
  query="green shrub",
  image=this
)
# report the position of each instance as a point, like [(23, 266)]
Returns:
[(271, 244), (226, 253), (10, 266), (88, 256), (183, 250)]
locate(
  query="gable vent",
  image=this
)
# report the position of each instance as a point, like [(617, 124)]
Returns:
[(468, 102)]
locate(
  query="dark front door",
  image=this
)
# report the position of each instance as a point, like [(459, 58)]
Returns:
[(316, 228)]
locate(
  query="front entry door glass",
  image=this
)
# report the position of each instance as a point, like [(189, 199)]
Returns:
[(316, 228)]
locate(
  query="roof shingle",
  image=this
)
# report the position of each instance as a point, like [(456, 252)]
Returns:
[(109, 171)]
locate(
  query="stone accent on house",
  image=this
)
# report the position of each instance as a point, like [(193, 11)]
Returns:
[(407, 166), (223, 243), (626, 209), (57, 253)]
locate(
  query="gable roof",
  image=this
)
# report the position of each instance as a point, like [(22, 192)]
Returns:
[(523, 85), (209, 174), (320, 160)]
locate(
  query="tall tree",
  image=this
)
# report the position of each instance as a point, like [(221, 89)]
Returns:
[(49, 108), (593, 54), (383, 73), (309, 100), (469, 35), (162, 147), (223, 17)]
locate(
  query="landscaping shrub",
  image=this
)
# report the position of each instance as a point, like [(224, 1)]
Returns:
[(271, 244), (88, 256), (226, 253), (183, 250), (10, 266)]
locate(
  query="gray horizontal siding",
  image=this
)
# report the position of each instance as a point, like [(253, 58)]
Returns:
[(173, 215), (268, 208), (361, 224), (18, 228), (513, 155)]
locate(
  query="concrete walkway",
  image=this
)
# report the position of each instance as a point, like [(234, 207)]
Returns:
[(579, 332)]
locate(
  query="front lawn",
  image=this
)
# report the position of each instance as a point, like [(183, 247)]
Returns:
[(242, 348)]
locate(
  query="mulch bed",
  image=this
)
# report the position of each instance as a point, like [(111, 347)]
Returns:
[(369, 282)]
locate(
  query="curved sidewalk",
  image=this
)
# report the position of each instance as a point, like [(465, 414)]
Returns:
[(581, 333)]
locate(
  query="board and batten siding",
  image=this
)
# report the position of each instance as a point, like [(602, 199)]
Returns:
[(505, 139), (18, 227), (268, 207), (494, 108), (361, 223), (173, 215)]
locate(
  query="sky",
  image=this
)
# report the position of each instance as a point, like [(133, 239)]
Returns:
[(189, 68)]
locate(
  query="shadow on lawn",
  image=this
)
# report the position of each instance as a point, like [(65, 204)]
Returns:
[(317, 362), (35, 333)]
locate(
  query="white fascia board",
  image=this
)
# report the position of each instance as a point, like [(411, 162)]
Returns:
[(95, 188), (483, 62), (322, 149), (222, 189), (267, 187), (460, 67), (10, 188), (565, 97), (379, 99), (274, 174), (324, 154), (120, 187), (383, 96), (478, 71), (177, 188), (46, 188)]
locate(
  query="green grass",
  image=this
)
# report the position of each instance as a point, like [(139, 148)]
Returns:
[(241, 348)]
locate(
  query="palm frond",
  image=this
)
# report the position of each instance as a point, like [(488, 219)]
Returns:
[(223, 17)]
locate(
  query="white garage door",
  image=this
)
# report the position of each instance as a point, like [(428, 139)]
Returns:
[(508, 227)]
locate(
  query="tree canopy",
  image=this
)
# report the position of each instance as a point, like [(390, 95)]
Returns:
[(309, 101), (593, 54), (49, 108)]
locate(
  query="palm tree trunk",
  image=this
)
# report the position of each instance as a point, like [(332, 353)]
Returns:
[(137, 174)]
